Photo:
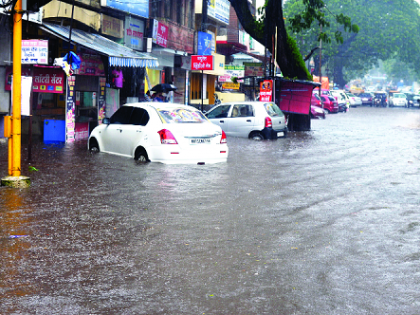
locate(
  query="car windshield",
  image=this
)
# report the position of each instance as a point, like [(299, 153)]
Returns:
[(399, 95), (317, 97), (351, 95), (273, 110), (181, 115)]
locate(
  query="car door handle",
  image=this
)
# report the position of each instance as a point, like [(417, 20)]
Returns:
[(138, 130), (120, 130), (222, 121), (248, 120)]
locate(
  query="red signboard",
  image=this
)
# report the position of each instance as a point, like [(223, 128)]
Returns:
[(48, 79), (162, 35), (201, 62), (266, 91)]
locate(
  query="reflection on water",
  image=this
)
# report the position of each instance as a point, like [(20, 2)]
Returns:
[(281, 225)]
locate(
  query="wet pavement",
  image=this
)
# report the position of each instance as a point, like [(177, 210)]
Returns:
[(322, 222)]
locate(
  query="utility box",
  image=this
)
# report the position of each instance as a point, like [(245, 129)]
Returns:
[(54, 131)]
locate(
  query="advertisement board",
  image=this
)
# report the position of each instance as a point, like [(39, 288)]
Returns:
[(140, 8), (266, 91), (134, 33), (160, 33), (205, 44), (35, 51), (219, 10), (201, 62)]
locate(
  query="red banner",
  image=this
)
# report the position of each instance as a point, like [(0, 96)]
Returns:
[(48, 80), (266, 91), (162, 35), (201, 62)]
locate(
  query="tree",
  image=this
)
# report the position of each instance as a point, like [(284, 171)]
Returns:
[(388, 28), (263, 30)]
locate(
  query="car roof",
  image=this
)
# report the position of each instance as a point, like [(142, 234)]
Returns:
[(246, 102), (160, 105)]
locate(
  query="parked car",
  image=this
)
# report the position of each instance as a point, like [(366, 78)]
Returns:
[(413, 99), (341, 99), (367, 98), (254, 120), (330, 104), (316, 100), (160, 132), (398, 99), (317, 112), (354, 100)]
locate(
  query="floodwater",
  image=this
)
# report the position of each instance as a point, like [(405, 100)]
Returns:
[(322, 222)]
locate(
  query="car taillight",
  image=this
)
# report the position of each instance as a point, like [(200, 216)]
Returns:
[(268, 123), (166, 137), (223, 140)]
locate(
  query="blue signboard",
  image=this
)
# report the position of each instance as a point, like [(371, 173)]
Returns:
[(205, 44), (137, 7)]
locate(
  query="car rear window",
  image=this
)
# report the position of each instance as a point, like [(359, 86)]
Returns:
[(181, 115), (273, 110)]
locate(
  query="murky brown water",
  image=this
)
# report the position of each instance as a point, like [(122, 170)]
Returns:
[(323, 222)]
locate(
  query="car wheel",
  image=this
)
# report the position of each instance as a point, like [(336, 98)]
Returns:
[(93, 145), (141, 155), (256, 136)]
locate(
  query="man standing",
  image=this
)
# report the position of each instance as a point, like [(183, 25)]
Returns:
[(118, 78)]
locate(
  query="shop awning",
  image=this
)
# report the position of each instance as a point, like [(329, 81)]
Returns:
[(118, 55)]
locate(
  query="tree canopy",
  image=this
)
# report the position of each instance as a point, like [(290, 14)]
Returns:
[(272, 26), (388, 29)]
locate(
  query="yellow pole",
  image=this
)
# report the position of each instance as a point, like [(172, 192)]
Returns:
[(17, 87)]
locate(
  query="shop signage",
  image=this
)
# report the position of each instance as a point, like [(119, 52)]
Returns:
[(201, 62), (112, 26), (180, 38), (140, 8), (160, 33), (133, 33), (231, 86), (205, 43), (91, 64), (266, 91), (48, 80), (254, 69), (35, 51), (219, 10), (232, 71)]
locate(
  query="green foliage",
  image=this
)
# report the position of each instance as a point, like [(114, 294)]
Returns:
[(364, 32), (297, 57)]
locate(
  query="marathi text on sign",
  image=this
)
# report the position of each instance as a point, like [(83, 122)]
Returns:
[(201, 62)]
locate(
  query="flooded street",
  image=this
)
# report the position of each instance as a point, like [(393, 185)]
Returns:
[(322, 222)]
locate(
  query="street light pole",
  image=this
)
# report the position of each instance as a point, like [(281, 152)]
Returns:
[(15, 123)]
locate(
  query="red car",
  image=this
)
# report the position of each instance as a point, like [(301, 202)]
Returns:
[(330, 103), (317, 112)]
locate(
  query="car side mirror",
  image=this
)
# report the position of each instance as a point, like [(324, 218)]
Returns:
[(106, 121)]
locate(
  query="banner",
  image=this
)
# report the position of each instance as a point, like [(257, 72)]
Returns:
[(266, 91), (48, 80)]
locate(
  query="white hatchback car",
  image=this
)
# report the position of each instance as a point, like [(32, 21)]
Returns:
[(254, 120), (398, 99), (160, 132)]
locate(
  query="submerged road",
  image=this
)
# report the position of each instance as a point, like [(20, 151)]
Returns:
[(322, 222)]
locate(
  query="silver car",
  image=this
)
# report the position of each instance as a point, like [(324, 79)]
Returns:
[(254, 120)]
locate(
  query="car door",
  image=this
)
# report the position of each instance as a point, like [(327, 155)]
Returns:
[(134, 132), (112, 135), (242, 119), (219, 116)]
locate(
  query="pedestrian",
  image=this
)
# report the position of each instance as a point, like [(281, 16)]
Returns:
[(118, 78), (170, 95), (148, 97), (158, 97)]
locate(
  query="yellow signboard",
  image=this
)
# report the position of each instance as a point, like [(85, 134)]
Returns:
[(230, 86)]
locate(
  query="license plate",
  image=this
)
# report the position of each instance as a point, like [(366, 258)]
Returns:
[(280, 134), (199, 140)]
